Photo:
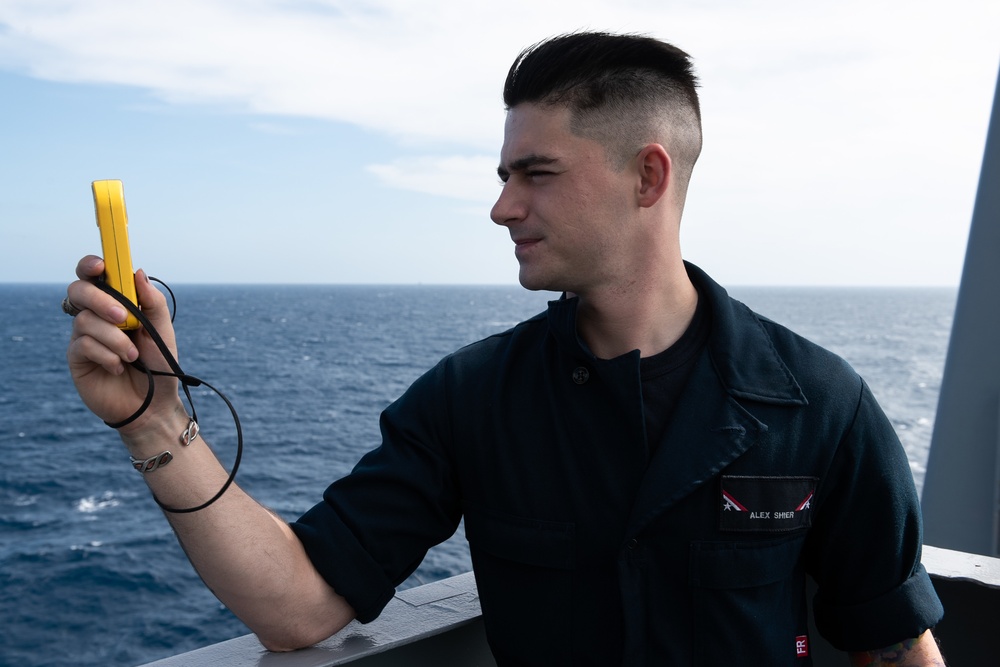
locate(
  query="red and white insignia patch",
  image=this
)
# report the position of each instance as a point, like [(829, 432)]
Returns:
[(766, 504)]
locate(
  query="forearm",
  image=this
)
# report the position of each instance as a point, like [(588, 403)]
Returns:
[(247, 556), (919, 652)]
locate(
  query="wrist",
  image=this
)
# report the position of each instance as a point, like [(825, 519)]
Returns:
[(156, 433)]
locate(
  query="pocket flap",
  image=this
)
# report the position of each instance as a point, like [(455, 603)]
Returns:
[(743, 564)]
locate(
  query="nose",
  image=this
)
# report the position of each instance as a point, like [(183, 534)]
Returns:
[(509, 207)]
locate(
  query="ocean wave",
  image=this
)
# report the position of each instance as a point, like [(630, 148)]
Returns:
[(102, 571)]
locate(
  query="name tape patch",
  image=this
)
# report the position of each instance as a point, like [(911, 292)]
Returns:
[(772, 504)]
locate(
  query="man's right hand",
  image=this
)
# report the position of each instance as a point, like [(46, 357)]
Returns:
[(100, 353)]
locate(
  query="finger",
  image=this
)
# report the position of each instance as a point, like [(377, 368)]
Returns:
[(106, 335), (86, 296), (89, 267), (84, 352)]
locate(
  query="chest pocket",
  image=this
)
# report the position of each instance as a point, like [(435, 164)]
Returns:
[(524, 571), (749, 602)]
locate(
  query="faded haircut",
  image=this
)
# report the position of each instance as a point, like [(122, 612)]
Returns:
[(624, 91)]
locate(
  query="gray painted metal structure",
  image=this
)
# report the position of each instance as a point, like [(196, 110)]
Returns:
[(439, 624), (435, 624), (961, 495)]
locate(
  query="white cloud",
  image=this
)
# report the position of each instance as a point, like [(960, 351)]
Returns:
[(419, 71), (431, 71), (848, 115), (467, 178)]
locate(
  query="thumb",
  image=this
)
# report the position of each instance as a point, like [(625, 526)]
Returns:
[(154, 306)]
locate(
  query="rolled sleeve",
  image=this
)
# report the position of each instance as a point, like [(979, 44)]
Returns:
[(905, 611), (341, 560), (866, 546), (374, 526)]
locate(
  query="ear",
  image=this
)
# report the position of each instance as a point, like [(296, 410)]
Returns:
[(655, 172)]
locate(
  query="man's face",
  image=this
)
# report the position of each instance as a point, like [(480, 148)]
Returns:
[(566, 208)]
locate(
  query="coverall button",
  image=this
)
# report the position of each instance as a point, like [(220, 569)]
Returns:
[(581, 375), (632, 544)]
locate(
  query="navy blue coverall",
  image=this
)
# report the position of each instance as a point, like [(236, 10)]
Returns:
[(778, 462)]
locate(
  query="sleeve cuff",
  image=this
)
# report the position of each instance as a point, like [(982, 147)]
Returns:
[(341, 560), (902, 613)]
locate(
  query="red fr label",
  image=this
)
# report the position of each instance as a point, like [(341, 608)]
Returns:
[(802, 646)]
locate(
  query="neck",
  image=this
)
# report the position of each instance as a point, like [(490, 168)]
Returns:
[(648, 316)]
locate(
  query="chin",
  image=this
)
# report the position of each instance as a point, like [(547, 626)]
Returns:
[(538, 280), (533, 283)]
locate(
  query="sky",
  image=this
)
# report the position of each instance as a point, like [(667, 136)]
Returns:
[(356, 141)]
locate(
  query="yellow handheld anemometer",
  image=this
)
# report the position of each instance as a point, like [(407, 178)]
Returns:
[(109, 206)]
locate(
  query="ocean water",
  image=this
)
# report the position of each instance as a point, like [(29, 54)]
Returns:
[(90, 573)]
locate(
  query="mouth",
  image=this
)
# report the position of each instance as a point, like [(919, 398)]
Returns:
[(524, 245)]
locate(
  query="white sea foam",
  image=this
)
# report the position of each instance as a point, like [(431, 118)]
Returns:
[(92, 504), (25, 501), (89, 545)]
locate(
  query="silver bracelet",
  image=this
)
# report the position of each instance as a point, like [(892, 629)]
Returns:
[(190, 434), (152, 463)]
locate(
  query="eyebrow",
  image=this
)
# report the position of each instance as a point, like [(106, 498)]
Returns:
[(523, 163)]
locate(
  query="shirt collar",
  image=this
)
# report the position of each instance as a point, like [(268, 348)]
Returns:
[(742, 352)]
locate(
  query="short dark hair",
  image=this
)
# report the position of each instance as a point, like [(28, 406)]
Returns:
[(621, 90)]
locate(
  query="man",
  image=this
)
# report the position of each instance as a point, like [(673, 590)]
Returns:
[(647, 471)]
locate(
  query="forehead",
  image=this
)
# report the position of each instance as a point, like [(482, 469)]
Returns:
[(531, 129)]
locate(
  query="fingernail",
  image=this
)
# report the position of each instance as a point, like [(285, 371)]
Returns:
[(132, 354), (119, 314)]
